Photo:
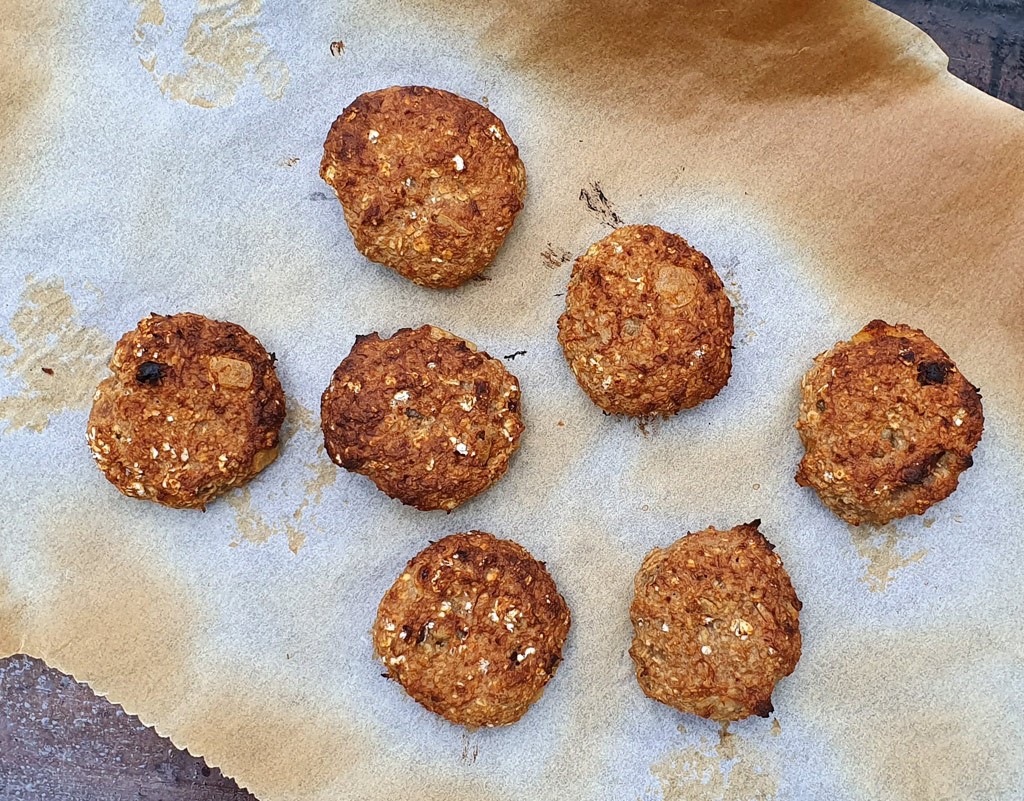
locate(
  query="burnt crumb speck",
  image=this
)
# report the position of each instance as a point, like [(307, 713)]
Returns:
[(930, 373), (916, 473), (413, 414), (273, 358), (555, 258), (512, 356), (597, 201), (150, 372), (907, 356), (337, 48), (47, 370), (481, 278), (820, 405)]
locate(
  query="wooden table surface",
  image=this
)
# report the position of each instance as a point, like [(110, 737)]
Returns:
[(59, 742)]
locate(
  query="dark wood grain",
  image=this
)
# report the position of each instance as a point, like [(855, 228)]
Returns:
[(59, 742), (984, 40)]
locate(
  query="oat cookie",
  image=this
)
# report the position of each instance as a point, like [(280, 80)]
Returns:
[(473, 629), (888, 424), (647, 328), (716, 624), (430, 182), (193, 408), (427, 417)]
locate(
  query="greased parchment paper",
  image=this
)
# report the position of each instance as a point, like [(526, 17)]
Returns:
[(162, 156)]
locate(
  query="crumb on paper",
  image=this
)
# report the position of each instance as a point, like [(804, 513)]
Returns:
[(598, 203), (555, 257)]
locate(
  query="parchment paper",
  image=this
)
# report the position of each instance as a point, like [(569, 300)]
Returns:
[(162, 156)]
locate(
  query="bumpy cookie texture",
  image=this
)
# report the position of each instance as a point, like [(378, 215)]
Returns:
[(193, 409), (430, 182), (473, 629), (888, 424), (647, 328), (427, 417), (716, 624)]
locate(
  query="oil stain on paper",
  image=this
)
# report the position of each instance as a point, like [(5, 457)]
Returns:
[(756, 49), (119, 619), (879, 546), (55, 359), (277, 742), (25, 78), (219, 53), (734, 769), (280, 748), (10, 621), (256, 527), (29, 47), (919, 714)]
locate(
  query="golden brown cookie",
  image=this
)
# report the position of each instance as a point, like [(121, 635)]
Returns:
[(430, 182), (888, 424), (473, 629), (647, 327), (193, 409), (427, 417), (716, 624)]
